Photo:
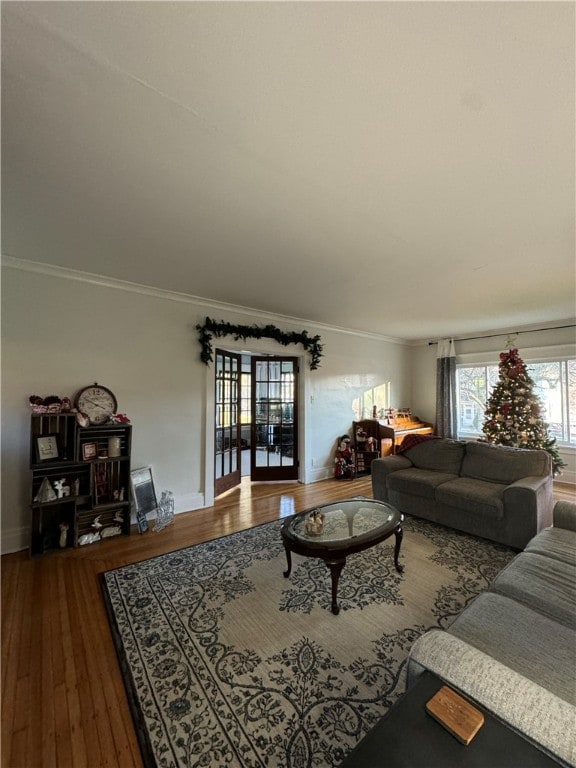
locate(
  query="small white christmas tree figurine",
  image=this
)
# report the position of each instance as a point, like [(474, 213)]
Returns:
[(45, 492), (513, 414)]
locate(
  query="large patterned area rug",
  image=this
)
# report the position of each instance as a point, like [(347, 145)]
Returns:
[(228, 663)]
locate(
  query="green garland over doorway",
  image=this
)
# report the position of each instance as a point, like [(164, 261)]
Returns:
[(213, 328)]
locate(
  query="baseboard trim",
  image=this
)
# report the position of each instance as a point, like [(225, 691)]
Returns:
[(15, 540), (566, 478), (189, 502), (317, 474)]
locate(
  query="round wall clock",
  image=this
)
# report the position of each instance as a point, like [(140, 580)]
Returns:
[(98, 403)]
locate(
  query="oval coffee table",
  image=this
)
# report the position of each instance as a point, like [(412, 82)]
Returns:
[(350, 525)]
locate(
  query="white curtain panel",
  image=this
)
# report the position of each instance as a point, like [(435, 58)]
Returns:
[(446, 348)]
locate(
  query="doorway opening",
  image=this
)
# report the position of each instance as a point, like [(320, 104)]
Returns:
[(255, 419)]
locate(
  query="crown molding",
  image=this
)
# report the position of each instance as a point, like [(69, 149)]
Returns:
[(65, 273)]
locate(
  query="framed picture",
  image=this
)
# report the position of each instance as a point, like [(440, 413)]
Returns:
[(143, 495), (47, 448), (89, 451)]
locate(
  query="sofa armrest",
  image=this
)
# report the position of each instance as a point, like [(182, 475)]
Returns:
[(380, 470), (564, 515), (528, 504), (524, 705)]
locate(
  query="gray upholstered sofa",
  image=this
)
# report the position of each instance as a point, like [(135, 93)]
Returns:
[(513, 649), (502, 494)]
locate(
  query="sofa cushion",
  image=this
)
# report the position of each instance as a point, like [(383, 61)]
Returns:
[(543, 583), (558, 543), (476, 496), (528, 642), (501, 464), (418, 482), (442, 455)]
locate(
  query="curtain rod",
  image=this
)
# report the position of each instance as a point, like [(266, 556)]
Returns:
[(510, 333)]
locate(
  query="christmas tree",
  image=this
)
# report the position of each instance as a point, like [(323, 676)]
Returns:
[(513, 415)]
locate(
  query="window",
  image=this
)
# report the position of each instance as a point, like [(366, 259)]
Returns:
[(375, 398), (554, 384)]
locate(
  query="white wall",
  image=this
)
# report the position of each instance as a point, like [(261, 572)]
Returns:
[(60, 333), (535, 344)]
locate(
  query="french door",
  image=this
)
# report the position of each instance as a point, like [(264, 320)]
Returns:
[(227, 442), (274, 438)]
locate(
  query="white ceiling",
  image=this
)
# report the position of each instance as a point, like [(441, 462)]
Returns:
[(405, 168)]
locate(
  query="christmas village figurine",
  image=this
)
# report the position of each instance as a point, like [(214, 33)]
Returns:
[(361, 437), (344, 461), (363, 442), (314, 523)]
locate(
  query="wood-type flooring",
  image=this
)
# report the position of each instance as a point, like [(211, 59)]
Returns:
[(63, 698)]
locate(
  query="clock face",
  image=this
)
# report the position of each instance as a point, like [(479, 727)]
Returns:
[(98, 403)]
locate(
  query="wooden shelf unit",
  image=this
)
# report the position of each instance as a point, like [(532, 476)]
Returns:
[(97, 489)]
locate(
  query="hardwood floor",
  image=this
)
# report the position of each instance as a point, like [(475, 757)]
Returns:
[(63, 698)]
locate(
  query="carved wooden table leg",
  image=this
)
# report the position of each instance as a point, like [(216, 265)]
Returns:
[(399, 533), (335, 571), (289, 559)]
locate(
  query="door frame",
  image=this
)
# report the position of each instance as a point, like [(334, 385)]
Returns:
[(257, 347)]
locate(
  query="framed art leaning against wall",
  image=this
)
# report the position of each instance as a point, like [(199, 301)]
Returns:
[(143, 495)]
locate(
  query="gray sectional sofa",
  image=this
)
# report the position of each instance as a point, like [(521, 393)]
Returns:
[(502, 494), (513, 649)]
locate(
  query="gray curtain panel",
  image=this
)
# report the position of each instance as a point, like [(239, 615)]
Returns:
[(446, 417)]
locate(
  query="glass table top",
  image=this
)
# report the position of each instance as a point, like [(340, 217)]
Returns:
[(344, 520)]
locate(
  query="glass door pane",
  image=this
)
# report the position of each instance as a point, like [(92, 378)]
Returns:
[(227, 422), (274, 443)]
